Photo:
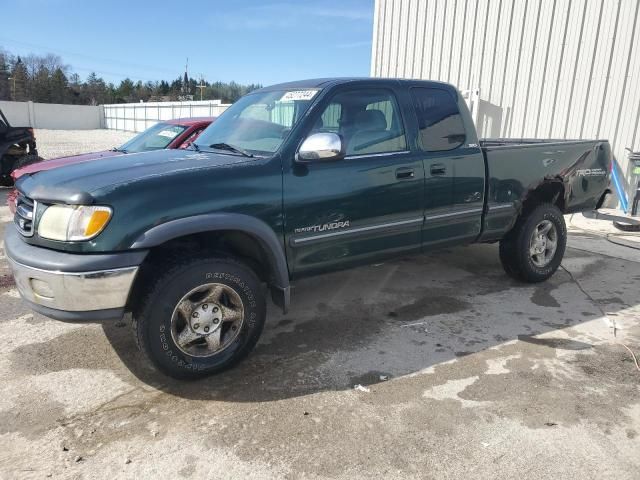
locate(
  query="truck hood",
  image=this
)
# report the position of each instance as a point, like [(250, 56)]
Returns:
[(75, 184), (61, 161)]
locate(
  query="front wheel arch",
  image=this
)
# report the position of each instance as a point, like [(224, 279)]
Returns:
[(237, 235)]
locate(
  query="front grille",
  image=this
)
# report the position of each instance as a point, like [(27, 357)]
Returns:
[(25, 215)]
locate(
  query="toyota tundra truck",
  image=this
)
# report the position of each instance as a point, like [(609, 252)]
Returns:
[(293, 180)]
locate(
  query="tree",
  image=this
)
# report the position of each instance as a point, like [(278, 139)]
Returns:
[(164, 88), (95, 90), (46, 78), (5, 89), (19, 79), (59, 87), (40, 86), (125, 91)]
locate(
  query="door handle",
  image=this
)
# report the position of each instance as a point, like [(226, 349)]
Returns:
[(438, 169), (404, 173)]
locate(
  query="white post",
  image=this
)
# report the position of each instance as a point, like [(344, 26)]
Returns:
[(31, 114)]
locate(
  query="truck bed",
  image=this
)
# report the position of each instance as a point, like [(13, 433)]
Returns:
[(575, 172)]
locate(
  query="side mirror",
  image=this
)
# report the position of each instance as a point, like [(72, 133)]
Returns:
[(321, 147)]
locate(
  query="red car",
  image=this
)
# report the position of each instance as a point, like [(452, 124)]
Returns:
[(178, 133)]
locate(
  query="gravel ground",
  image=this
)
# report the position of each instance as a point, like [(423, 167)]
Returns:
[(58, 143), (436, 366)]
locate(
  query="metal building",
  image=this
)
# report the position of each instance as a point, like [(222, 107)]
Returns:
[(543, 68)]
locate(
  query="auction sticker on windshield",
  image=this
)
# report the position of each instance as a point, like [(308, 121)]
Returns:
[(298, 95)]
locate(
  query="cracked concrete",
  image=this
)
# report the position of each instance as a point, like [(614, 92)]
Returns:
[(469, 375)]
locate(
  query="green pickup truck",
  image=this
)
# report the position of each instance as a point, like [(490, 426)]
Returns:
[(292, 180)]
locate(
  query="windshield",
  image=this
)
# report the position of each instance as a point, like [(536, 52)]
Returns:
[(155, 138), (258, 123)]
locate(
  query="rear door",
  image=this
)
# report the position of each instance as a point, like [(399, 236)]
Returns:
[(454, 167), (364, 207)]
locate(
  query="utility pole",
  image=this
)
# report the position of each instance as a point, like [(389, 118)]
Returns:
[(202, 86), (13, 92)]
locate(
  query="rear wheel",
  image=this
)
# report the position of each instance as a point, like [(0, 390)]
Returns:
[(201, 316), (533, 250)]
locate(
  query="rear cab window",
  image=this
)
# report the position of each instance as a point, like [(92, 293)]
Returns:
[(440, 125)]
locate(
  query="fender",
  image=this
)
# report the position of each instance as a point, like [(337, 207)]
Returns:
[(280, 288)]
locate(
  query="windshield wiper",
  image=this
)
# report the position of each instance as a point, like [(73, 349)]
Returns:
[(118, 149), (231, 148), (194, 146)]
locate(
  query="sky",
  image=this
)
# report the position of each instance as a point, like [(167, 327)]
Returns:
[(249, 41)]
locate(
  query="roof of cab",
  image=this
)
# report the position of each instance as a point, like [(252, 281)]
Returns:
[(189, 122), (321, 83)]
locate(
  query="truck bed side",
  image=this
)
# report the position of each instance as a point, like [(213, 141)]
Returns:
[(572, 174)]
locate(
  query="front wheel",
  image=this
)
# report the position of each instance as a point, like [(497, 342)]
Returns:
[(201, 316), (533, 250)]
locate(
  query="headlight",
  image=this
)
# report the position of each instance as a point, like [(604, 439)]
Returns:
[(70, 223)]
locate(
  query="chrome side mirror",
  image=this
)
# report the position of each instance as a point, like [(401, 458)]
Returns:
[(321, 147)]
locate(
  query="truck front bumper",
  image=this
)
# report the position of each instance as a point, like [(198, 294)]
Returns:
[(69, 286)]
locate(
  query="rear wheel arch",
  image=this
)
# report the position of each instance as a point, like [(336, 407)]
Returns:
[(551, 191)]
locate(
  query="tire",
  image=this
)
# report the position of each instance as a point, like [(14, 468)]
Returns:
[(517, 246), (160, 325), (6, 181)]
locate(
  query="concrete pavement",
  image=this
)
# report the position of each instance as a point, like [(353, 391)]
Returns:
[(462, 372)]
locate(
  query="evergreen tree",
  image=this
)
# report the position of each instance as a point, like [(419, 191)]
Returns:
[(5, 89), (40, 86), (19, 79), (59, 87), (125, 91), (47, 79)]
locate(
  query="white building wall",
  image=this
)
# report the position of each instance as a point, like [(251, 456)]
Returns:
[(544, 68)]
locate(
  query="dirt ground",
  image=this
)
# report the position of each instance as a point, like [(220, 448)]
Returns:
[(436, 366), (53, 143)]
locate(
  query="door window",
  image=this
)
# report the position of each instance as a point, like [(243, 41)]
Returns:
[(368, 120), (439, 120), (191, 138)]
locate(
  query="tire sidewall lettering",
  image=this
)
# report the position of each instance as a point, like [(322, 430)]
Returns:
[(165, 341)]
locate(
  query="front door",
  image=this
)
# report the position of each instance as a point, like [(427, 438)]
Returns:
[(361, 208)]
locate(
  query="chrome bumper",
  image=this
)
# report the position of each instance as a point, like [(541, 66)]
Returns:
[(74, 291)]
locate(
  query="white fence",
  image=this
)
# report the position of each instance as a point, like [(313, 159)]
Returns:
[(136, 117), (53, 115)]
